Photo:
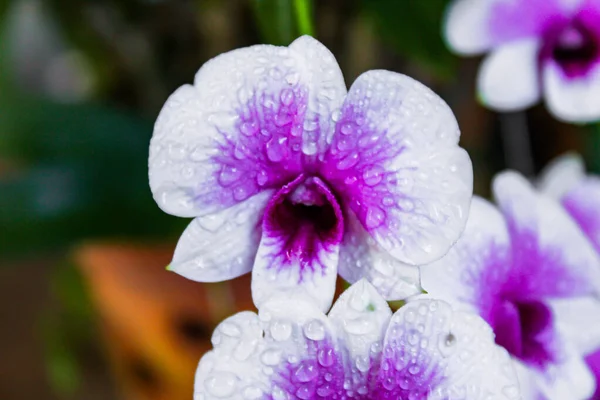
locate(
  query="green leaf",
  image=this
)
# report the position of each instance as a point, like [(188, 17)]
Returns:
[(414, 29)]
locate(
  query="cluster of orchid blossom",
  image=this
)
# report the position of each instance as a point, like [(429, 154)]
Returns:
[(292, 177)]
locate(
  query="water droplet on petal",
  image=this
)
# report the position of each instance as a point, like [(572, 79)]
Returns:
[(280, 330), (347, 128), (375, 217), (287, 97), (314, 330), (229, 175), (252, 393), (249, 128), (372, 176), (277, 149), (347, 162), (240, 193), (262, 178), (307, 371), (326, 358), (271, 357), (221, 384)]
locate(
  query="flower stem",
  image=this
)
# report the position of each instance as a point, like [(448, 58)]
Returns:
[(516, 142), (303, 11)]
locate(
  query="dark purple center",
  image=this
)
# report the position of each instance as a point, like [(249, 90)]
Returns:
[(305, 218), (572, 46), (524, 329)]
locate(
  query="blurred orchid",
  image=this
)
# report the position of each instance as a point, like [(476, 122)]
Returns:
[(565, 180), (291, 350), (537, 46), (285, 171), (522, 269)]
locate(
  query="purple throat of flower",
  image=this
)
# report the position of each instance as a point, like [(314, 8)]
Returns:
[(573, 45), (305, 217), (525, 329)]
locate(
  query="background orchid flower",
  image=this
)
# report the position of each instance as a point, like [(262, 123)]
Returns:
[(291, 350), (565, 180), (284, 170), (513, 266), (549, 47)]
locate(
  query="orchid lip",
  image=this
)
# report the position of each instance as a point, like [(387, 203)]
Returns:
[(573, 46), (306, 218)]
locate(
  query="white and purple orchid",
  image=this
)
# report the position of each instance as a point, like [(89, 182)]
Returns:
[(565, 179), (537, 46), (291, 350), (523, 269), (288, 175)]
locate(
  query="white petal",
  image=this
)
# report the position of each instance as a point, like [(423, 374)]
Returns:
[(223, 245), (472, 273), (395, 161), (569, 379), (431, 349), (361, 257), (581, 202), (579, 320), (242, 127), (508, 79), (572, 99), (467, 26), (561, 175), (360, 317), (547, 244)]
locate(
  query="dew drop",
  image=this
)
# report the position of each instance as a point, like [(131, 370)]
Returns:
[(249, 128), (307, 371), (280, 330), (326, 358), (350, 180), (271, 357), (347, 128), (276, 149), (347, 162), (252, 393), (325, 390), (314, 330), (372, 176), (262, 178), (229, 175), (304, 392), (240, 193), (375, 217), (221, 384), (287, 97), (362, 363)]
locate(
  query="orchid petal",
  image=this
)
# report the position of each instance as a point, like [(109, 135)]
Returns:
[(579, 320), (433, 352), (561, 175), (361, 257), (551, 255), (360, 317), (568, 378), (242, 127), (508, 79), (582, 204), (299, 249), (474, 26), (223, 245), (473, 273), (572, 99), (593, 362), (395, 161)]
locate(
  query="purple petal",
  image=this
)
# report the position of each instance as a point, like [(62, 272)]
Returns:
[(551, 257), (583, 202), (593, 362), (246, 125), (394, 160)]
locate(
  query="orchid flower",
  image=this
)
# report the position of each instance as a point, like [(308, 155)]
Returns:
[(565, 180), (520, 267), (291, 350), (286, 174), (537, 46)]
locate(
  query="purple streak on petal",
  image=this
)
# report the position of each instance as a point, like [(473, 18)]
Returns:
[(354, 166), (593, 361), (526, 331), (583, 204), (320, 374), (404, 375), (513, 20), (264, 148), (540, 271), (303, 220)]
